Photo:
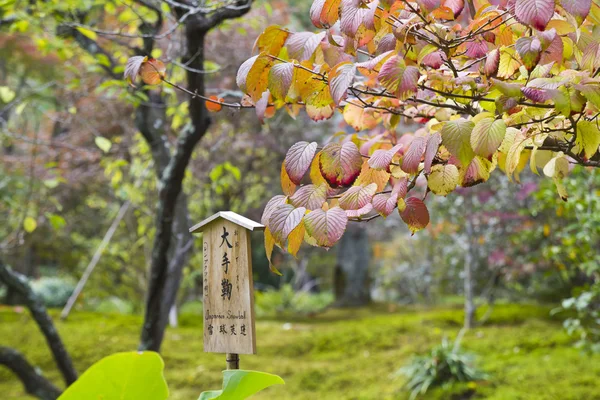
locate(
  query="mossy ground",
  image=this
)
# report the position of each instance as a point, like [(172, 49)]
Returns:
[(340, 354)]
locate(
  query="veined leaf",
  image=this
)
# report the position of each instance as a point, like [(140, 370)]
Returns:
[(487, 136), (280, 79), (509, 63), (302, 45), (577, 8), (536, 13), (283, 220), (399, 78), (443, 179), (287, 186), (415, 214), (271, 205), (340, 163), (298, 160), (456, 136), (478, 171), (311, 197), (588, 138), (433, 144), (340, 78), (381, 159), (412, 156), (357, 197), (271, 40), (326, 227), (530, 51)]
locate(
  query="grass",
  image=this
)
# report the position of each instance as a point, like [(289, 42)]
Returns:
[(341, 354)]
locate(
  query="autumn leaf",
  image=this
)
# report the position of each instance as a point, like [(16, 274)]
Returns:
[(340, 164), (487, 136), (152, 71), (283, 219), (443, 179), (271, 205), (326, 227), (415, 214), (212, 106), (413, 155), (311, 197), (536, 13), (340, 78), (399, 78), (298, 159), (456, 137)]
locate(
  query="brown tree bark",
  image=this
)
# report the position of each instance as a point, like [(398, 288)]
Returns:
[(351, 276)]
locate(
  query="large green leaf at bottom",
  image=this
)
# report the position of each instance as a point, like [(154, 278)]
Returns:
[(122, 376), (240, 384)]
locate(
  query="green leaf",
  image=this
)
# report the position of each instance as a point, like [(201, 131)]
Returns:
[(588, 138), (456, 136), (29, 224), (487, 136), (241, 384), (103, 143), (56, 221), (6, 94), (88, 33), (133, 375)]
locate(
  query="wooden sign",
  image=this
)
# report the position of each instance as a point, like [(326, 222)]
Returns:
[(228, 285)]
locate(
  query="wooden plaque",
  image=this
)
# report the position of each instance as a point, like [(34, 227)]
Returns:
[(228, 289)]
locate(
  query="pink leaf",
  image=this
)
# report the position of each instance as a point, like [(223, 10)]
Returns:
[(433, 144), (357, 197), (315, 12), (477, 48), (242, 73), (412, 157), (326, 227), (536, 13), (398, 78), (310, 196), (415, 215), (367, 208), (578, 8), (280, 79), (372, 63), (302, 45), (381, 159), (456, 6), (271, 205), (283, 220), (434, 60), (298, 159), (492, 62), (384, 203), (340, 78), (261, 105)]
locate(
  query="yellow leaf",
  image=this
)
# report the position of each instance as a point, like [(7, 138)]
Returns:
[(269, 245), (295, 239), (87, 33), (287, 186), (29, 224), (509, 62)]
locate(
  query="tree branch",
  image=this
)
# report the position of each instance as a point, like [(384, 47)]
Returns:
[(34, 382), (18, 283)]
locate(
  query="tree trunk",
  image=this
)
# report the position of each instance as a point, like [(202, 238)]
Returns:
[(351, 277), (34, 382)]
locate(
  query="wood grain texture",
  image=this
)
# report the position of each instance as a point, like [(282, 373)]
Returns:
[(228, 289)]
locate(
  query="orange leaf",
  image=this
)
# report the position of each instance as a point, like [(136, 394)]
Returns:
[(152, 71), (212, 106)]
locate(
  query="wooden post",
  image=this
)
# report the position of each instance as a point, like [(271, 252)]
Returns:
[(233, 360), (228, 287)]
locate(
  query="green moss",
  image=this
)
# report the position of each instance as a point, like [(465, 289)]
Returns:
[(340, 354)]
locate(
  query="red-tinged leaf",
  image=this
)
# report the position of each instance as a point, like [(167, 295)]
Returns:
[(477, 172), (261, 105), (287, 186), (280, 79), (476, 49), (340, 78), (434, 60), (415, 214), (577, 8), (398, 78), (243, 71), (433, 144), (212, 106), (386, 43), (271, 205), (541, 90), (456, 6), (319, 113), (283, 220), (536, 13), (487, 136), (340, 163), (302, 45), (357, 196), (429, 5), (326, 227), (315, 172), (298, 160), (412, 157), (385, 203), (492, 63), (456, 137), (530, 51), (358, 117), (311, 197), (330, 12), (132, 68), (271, 40), (315, 13), (381, 159), (153, 71)]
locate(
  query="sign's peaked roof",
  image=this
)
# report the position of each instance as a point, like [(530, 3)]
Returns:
[(229, 216)]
